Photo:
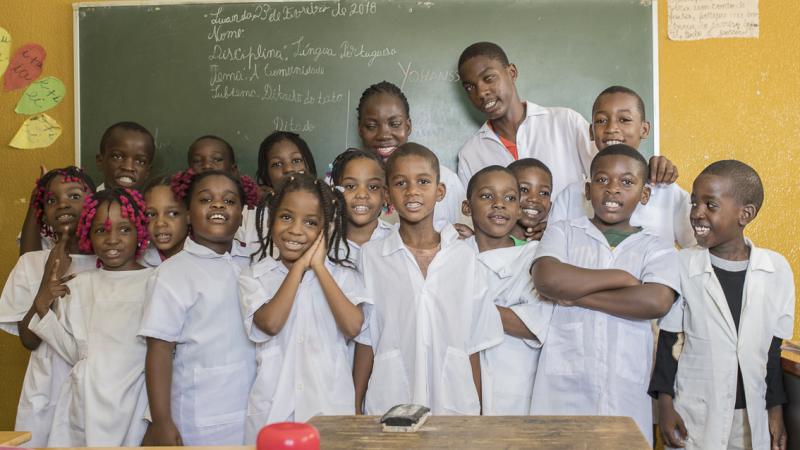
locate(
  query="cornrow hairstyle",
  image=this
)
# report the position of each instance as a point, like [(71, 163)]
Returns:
[(128, 126), (224, 143), (487, 49), (484, 171), (622, 90), (132, 207), (70, 174), (262, 173), (384, 87), (334, 226), (341, 161), (527, 163), (184, 182), (746, 185)]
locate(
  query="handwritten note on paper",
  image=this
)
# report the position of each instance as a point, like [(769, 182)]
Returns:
[(25, 66), (690, 20), (41, 96), (38, 131), (5, 49)]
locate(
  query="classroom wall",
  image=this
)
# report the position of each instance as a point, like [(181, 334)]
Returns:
[(732, 98)]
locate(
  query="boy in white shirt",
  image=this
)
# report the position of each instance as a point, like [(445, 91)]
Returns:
[(737, 304), (618, 117), (517, 129), (608, 279), (508, 369), (431, 316)]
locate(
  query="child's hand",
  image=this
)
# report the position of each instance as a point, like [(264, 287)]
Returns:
[(305, 261), (59, 252), (662, 171), (463, 230), (672, 427), (777, 429), (52, 288), (535, 233), (320, 249), (162, 434)]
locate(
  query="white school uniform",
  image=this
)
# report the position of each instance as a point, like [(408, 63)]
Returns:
[(666, 214), (595, 363), (194, 302), (705, 385), (448, 211), (303, 371), (422, 330), (508, 370), (381, 231), (559, 137), (46, 370), (104, 399)]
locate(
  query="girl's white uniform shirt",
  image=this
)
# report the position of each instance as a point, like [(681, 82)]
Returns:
[(594, 363), (666, 214), (104, 399), (559, 137), (448, 211), (304, 370), (46, 370), (194, 302), (705, 385), (383, 229), (508, 370), (422, 330)]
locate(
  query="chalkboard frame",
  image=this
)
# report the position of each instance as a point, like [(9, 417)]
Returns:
[(654, 116)]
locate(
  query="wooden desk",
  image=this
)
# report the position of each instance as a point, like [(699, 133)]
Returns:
[(533, 432), (12, 438)]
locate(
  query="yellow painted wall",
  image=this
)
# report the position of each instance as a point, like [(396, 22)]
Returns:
[(732, 98)]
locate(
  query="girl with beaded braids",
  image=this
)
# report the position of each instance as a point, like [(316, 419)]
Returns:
[(103, 402), (303, 308), (56, 205), (384, 123)]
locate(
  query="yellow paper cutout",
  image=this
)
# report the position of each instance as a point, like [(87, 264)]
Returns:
[(38, 131), (5, 49)]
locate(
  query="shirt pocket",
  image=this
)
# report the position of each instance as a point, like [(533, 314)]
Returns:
[(220, 394), (632, 353), (566, 353), (459, 395), (388, 384), (266, 382)]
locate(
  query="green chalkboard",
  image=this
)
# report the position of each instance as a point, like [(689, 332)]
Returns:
[(241, 70)]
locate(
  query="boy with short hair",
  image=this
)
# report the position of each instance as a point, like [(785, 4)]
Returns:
[(535, 197), (508, 369), (517, 129), (608, 279), (736, 305), (618, 117), (431, 316)]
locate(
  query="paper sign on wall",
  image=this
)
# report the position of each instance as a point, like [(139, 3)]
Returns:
[(689, 20), (25, 66), (41, 96), (37, 132), (5, 49)]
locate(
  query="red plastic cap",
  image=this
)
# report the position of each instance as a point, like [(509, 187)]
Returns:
[(288, 435)]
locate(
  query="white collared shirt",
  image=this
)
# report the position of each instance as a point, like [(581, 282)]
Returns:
[(508, 370), (194, 302), (383, 229), (448, 211), (705, 385), (423, 329), (559, 137), (594, 363), (304, 370), (666, 214), (46, 370), (103, 402)]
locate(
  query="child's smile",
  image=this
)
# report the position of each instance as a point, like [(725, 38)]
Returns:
[(63, 204), (616, 119), (215, 212), (494, 206), (383, 125), (297, 224), (125, 161), (535, 186), (616, 188), (167, 219), (114, 238), (715, 212)]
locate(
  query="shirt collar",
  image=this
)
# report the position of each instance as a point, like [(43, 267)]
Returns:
[(394, 243), (759, 260), (502, 261), (531, 109), (594, 232), (192, 247)]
